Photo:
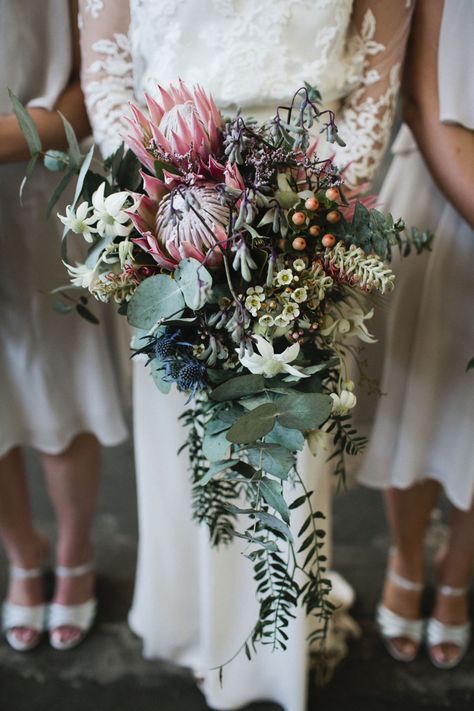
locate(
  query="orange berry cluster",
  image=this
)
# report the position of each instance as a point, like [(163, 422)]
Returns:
[(300, 218)]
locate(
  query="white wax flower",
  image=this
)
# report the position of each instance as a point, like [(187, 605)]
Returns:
[(284, 277)]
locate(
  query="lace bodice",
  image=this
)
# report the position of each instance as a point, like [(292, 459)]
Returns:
[(250, 54)]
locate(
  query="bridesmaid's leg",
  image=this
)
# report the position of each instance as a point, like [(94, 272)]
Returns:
[(408, 513), (455, 570), (24, 546), (73, 478)]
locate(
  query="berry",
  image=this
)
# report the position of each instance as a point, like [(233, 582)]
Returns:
[(314, 230), (333, 217), (332, 194), (312, 204), (298, 218), (328, 240), (299, 243)]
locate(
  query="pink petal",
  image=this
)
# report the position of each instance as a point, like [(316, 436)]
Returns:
[(156, 112), (155, 187)]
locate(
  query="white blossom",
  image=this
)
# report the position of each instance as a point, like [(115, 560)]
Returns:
[(343, 402), (78, 222), (112, 220), (269, 363)]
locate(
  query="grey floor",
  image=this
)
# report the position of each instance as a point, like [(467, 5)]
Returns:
[(107, 673)]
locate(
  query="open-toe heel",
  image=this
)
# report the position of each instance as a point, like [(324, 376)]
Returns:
[(80, 617), (392, 626), (23, 617), (438, 633)]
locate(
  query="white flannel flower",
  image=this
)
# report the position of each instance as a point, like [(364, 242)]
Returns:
[(352, 323), (299, 295), (111, 218), (343, 402), (82, 275), (299, 265), (78, 222), (269, 363), (284, 277), (290, 312)]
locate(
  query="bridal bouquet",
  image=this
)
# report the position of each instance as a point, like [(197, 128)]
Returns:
[(245, 266)]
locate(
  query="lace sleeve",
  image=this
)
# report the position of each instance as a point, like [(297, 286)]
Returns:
[(376, 49), (107, 68)]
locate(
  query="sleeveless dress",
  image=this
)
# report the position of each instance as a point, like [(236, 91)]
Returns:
[(424, 425), (193, 604), (57, 372)]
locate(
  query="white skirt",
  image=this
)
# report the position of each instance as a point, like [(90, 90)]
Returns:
[(58, 373), (424, 426)]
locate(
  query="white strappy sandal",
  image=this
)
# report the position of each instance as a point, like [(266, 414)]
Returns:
[(79, 616), (439, 633), (29, 617), (392, 626)]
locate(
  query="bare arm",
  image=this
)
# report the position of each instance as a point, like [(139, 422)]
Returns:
[(448, 149), (50, 128)]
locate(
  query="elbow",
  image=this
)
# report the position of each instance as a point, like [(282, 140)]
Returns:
[(412, 112)]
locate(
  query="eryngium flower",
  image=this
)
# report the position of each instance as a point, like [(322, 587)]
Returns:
[(185, 121)]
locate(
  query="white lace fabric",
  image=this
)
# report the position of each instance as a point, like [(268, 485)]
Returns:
[(250, 54)]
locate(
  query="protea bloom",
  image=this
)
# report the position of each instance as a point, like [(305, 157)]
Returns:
[(188, 221), (186, 122)]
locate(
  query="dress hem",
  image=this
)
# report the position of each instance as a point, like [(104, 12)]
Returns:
[(63, 443)]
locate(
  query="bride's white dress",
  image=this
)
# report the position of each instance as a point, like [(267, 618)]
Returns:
[(193, 604)]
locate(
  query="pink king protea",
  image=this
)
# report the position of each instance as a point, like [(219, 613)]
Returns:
[(189, 221), (185, 121)]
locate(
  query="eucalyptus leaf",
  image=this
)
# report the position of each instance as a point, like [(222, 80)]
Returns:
[(28, 172), (291, 439), (235, 388), (216, 468), (215, 447), (304, 411), (194, 280), (157, 373), (86, 314), (274, 523), (254, 424), (273, 495), (158, 297), (27, 125), (74, 152), (272, 459)]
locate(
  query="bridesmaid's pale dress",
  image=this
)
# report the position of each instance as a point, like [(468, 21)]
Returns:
[(193, 604), (57, 373), (424, 426)]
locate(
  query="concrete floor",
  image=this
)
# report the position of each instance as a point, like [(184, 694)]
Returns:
[(107, 673)]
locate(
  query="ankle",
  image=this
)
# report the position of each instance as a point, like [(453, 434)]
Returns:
[(73, 554), (408, 564), (29, 551)]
